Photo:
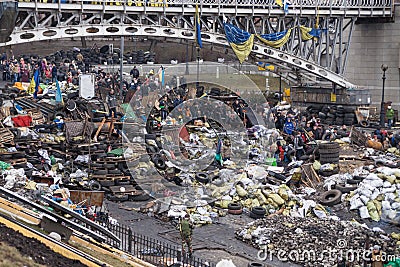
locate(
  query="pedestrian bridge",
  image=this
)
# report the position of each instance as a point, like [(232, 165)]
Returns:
[(314, 60)]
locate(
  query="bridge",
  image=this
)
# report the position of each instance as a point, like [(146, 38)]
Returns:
[(321, 61)]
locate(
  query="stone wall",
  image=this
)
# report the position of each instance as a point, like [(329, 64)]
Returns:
[(371, 46)]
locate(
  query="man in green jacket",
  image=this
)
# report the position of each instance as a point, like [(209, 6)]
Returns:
[(390, 116), (186, 230)]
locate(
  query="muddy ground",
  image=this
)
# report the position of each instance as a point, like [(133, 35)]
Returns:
[(32, 248)]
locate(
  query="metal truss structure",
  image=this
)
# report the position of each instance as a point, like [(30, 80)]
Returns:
[(317, 61)]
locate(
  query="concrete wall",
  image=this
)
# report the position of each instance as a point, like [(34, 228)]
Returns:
[(371, 46)]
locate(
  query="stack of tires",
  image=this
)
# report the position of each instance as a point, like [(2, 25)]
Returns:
[(150, 56), (329, 152), (140, 57), (334, 115)]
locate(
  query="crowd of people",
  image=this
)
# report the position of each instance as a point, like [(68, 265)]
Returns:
[(22, 69)]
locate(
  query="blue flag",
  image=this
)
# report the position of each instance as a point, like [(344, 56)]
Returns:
[(161, 74), (197, 27), (36, 81), (59, 98)]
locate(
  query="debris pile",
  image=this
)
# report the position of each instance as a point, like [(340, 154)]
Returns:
[(313, 242)]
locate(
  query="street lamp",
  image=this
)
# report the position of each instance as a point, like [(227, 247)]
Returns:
[(280, 87), (384, 68), (198, 67)]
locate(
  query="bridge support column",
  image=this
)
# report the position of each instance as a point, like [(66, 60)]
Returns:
[(121, 68), (83, 41)]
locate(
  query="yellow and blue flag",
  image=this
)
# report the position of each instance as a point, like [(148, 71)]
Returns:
[(197, 27), (277, 39), (34, 85), (309, 33), (284, 4), (240, 40), (265, 66)]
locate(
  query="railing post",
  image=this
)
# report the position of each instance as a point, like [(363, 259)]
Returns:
[(130, 240)]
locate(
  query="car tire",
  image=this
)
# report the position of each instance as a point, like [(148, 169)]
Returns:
[(202, 177), (159, 162), (234, 206), (259, 211), (235, 212), (256, 216), (94, 185), (331, 197), (345, 189)]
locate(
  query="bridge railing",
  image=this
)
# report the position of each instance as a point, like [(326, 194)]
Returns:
[(322, 4)]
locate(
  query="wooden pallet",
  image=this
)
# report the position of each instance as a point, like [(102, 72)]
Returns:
[(6, 136)]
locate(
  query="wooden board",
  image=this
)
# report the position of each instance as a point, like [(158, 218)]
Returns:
[(93, 198), (357, 137)]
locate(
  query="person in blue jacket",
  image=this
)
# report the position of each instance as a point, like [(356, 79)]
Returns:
[(288, 127)]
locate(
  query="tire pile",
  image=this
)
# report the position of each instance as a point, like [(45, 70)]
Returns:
[(333, 115), (140, 57), (87, 165), (329, 152)]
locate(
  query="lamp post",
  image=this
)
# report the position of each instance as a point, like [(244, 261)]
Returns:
[(187, 58), (198, 67), (384, 68), (280, 87)]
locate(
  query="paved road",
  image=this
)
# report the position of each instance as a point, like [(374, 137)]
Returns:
[(210, 242)]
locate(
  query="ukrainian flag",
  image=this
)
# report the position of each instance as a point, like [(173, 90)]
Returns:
[(265, 66), (240, 41), (277, 39), (197, 27), (309, 33), (34, 85)]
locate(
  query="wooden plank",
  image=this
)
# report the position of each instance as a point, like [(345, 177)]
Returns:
[(91, 198), (357, 137)]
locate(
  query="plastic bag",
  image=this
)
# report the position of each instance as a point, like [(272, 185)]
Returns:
[(316, 165), (356, 203), (386, 205)]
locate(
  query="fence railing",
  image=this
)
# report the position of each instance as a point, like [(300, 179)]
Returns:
[(151, 250)]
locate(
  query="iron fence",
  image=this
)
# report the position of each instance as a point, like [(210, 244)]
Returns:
[(151, 250)]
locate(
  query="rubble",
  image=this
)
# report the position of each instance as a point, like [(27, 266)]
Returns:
[(314, 242)]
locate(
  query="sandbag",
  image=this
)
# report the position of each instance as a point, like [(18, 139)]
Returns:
[(261, 198), (316, 165), (364, 212), (240, 191), (373, 212), (277, 199), (255, 203), (355, 203), (283, 194)]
